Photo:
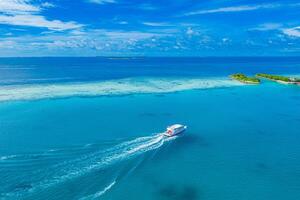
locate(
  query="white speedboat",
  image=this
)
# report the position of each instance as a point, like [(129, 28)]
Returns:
[(175, 130)]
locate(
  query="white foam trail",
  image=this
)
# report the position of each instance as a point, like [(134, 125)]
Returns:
[(90, 163), (107, 188), (126, 151), (113, 87), (100, 193), (8, 157)]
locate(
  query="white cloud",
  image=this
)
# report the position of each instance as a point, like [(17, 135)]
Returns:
[(99, 39), (225, 40), (7, 44), (25, 13), (17, 7), (156, 24), (127, 35), (189, 31), (293, 32), (77, 32), (8, 34), (122, 22), (268, 27), (47, 5), (233, 9), (38, 21), (102, 1), (146, 6)]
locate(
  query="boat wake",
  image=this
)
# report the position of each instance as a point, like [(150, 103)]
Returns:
[(100, 193), (112, 161)]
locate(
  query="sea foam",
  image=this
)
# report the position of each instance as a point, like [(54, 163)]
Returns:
[(84, 165), (99, 193), (112, 87)]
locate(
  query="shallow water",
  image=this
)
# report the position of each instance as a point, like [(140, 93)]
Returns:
[(242, 143)]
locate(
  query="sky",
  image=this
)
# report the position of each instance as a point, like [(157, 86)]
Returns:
[(149, 28)]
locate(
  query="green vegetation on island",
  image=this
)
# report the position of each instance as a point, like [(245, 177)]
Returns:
[(245, 79), (280, 79)]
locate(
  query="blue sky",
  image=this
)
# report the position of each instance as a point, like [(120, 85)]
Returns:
[(149, 28)]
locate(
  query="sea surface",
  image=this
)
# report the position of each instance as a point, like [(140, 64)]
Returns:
[(91, 128)]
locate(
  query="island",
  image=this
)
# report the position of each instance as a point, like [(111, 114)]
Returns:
[(245, 79), (279, 78)]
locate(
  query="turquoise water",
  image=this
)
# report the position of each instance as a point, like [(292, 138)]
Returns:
[(242, 142)]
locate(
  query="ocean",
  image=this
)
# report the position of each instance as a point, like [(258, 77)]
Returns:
[(91, 128)]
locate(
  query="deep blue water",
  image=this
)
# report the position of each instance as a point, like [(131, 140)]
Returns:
[(243, 141), (49, 70)]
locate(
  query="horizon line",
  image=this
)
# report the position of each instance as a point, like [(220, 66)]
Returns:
[(131, 57)]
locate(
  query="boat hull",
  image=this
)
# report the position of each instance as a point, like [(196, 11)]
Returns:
[(174, 134)]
